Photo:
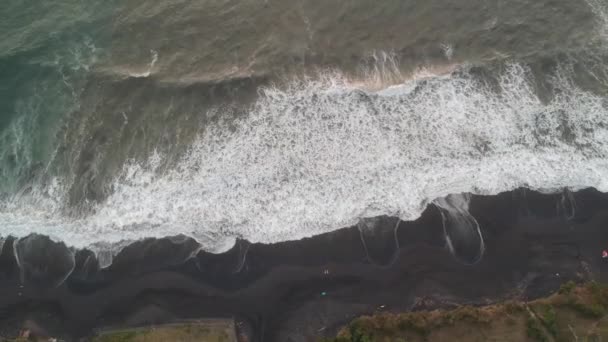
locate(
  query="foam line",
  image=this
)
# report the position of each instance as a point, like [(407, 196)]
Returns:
[(320, 154)]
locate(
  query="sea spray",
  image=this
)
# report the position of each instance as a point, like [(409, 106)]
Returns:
[(33, 254), (566, 206), (379, 239), (462, 232)]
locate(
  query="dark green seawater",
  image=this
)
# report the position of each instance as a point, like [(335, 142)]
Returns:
[(47, 50), (273, 120)]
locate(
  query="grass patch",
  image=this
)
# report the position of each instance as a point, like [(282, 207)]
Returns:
[(589, 310), (574, 310), (590, 300), (547, 315)]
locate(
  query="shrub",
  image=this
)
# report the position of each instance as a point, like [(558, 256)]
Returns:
[(534, 330), (550, 320), (358, 334), (567, 287)]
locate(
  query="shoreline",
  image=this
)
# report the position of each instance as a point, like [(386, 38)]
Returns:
[(308, 288)]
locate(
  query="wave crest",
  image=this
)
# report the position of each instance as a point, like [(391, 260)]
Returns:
[(321, 153)]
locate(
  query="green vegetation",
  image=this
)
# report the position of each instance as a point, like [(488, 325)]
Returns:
[(567, 287), (550, 320), (542, 314), (358, 335), (534, 330), (591, 300), (575, 312)]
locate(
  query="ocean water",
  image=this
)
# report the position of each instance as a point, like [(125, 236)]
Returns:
[(278, 120)]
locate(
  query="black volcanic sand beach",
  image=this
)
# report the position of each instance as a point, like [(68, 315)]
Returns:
[(300, 290)]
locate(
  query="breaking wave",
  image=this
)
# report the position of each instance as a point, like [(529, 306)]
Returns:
[(320, 154)]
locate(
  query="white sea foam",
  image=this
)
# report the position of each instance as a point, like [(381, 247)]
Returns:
[(148, 72), (320, 154)]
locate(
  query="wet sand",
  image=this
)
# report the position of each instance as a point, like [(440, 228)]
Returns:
[(299, 290)]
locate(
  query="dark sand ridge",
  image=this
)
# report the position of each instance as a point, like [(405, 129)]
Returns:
[(301, 289)]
